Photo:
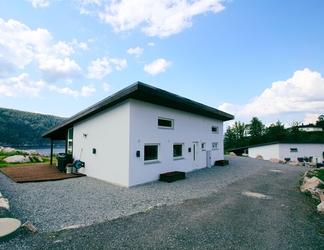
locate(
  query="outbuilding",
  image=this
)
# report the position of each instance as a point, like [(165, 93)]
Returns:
[(285, 151), (140, 132)]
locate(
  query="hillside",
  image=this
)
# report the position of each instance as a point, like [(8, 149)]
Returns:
[(20, 128)]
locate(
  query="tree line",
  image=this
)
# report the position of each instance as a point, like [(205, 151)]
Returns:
[(20, 128), (241, 134)]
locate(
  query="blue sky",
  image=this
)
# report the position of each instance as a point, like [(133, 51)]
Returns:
[(245, 57)]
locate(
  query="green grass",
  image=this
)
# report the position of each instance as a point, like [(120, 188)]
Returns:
[(319, 173), (3, 155)]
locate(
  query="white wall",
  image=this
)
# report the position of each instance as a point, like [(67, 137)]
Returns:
[(108, 133), (266, 151), (188, 128), (282, 151), (304, 150)]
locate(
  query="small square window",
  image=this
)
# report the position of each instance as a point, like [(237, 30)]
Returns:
[(215, 145), (165, 123), (203, 146), (214, 129), (293, 150), (177, 150), (151, 152)]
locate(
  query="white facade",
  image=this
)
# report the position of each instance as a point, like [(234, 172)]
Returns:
[(292, 151), (119, 134)]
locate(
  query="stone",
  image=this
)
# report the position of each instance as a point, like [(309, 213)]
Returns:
[(320, 207), (9, 228), (310, 183), (259, 157), (245, 155), (295, 163), (27, 226), (275, 160), (4, 203), (232, 154), (16, 159), (7, 150), (310, 186)]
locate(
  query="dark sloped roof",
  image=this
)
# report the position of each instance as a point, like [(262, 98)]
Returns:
[(142, 92)]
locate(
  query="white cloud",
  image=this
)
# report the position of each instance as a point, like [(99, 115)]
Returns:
[(106, 87), (65, 91), (53, 68), (39, 3), (303, 93), (102, 67), (85, 91), (151, 44), (156, 18), (20, 46), (157, 66), (135, 51), (20, 86)]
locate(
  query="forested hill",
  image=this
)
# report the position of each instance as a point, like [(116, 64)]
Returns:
[(20, 128)]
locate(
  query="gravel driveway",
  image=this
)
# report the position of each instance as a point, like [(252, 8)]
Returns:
[(213, 208)]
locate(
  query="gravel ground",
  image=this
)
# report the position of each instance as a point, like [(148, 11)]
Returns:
[(51, 206)]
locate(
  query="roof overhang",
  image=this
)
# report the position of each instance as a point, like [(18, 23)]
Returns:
[(142, 92)]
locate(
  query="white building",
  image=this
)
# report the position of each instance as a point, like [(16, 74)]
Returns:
[(313, 152), (141, 132)]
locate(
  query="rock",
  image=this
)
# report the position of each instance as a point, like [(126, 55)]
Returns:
[(310, 164), (7, 150), (295, 163), (4, 203), (320, 207), (275, 160), (232, 154), (310, 183), (259, 157), (245, 155), (16, 159), (27, 226), (310, 186)]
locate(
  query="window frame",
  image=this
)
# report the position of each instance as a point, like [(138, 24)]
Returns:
[(182, 151), (215, 129), (293, 150), (214, 143), (203, 146), (165, 120), (152, 160), (70, 141)]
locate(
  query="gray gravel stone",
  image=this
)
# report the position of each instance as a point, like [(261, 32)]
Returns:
[(208, 208)]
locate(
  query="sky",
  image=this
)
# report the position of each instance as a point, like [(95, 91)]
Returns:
[(249, 58)]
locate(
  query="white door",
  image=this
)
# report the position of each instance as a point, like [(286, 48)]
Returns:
[(195, 155)]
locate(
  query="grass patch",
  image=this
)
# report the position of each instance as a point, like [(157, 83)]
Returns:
[(319, 173), (34, 159)]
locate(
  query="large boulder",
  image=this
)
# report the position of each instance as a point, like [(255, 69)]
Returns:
[(310, 186), (260, 157), (16, 159), (295, 163), (275, 160), (7, 150)]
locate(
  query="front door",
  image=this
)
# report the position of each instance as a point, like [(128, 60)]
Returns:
[(195, 155)]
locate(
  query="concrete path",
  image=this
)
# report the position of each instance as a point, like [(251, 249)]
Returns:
[(263, 211)]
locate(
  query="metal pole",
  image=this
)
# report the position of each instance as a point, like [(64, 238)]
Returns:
[(51, 161)]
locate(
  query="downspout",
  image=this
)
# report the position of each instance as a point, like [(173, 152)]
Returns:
[(51, 160)]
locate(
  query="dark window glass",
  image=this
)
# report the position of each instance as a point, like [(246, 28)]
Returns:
[(150, 152), (177, 150), (165, 123)]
